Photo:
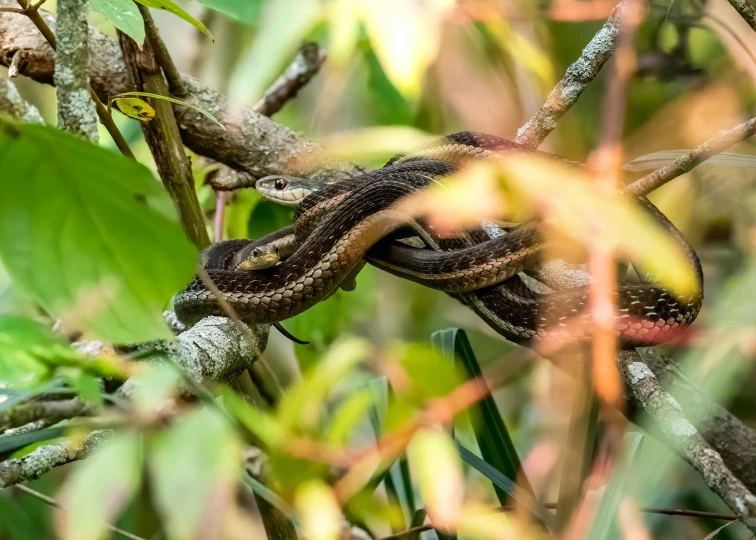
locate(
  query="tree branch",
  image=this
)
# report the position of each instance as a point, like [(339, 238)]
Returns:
[(163, 57), (578, 76), (164, 140), (12, 104), (76, 110), (51, 411), (746, 11), (681, 435)]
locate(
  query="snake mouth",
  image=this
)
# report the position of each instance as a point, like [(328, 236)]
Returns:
[(261, 262)]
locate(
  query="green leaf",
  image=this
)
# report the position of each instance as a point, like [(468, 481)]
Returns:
[(246, 11), (100, 487), (172, 7), (517, 494), (141, 110), (195, 466), (123, 14), (84, 234), (606, 516), (11, 443), (495, 443)]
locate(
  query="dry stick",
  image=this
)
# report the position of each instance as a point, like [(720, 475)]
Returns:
[(746, 11), (575, 80), (685, 163), (163, 138), (32, 12), (52, 502), (683, 436), (163, 57)]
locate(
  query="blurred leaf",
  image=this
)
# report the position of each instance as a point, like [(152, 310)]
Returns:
[(406, 37), (431, 374), (418, 519), (135, 108), (266, 217), (156, 383), (246, 11), (268, 495), (195, 465), (16, 522), (100, 487), (604, 526), (30, 353), (343, 32), (347, 417), (141, 110), (84, 234), (517, 494), (260, 423), (86, 386), (435, 463), (172, 7), (496, 445), (319, 511), (382, 140), (284, 25), (123, 14), (303, 404), (574, 203)]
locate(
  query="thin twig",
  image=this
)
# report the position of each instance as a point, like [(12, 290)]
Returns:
[(686, 163), (32, 12), (304, 67), (163, 57), (575, 80), (746, 11), (220, 213), (52, 502)]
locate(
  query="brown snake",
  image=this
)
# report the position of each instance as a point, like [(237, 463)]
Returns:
[(336, 227)]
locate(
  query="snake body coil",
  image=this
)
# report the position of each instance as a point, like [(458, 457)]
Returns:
[(336, 226)]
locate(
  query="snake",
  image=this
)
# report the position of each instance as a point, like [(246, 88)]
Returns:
[(336, 226)]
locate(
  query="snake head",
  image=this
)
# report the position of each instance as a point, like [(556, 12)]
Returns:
[(259, 258), (286, 190)]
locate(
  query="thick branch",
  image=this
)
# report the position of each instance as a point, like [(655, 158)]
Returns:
[(12, 104), (682, 436), (578, 76), (51, 411), (76, 110), (252, 143), (163, 138), (163, 57), (746, 11)]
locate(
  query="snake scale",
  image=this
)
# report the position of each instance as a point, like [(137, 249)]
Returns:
[(339, 225)]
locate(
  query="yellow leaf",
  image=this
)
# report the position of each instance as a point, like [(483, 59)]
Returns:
[(406, 37), (318, 510), (434, 462), (375, 141), (135, 108)]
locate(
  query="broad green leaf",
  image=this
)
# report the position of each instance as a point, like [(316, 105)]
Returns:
[(284, 25), (520, 496), (406, 37), (319, 511), (172, 7), (490, 431), (100, 487), (246, 11), (30, 353), (84, 234), (135, 108), (123, 14), (431, 374), (434, 461), (195, 466), (141, 110)]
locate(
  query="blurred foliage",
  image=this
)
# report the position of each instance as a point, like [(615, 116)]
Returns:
[(90, 238)]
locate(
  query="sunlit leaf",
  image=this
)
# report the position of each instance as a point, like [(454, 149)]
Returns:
[(261, 423), (194, 466), (86, 234), (348, 415), (100, 487), (123, 14), (284, 25), (246, 11), (430, 374), (406, 37), (344, 31), (141, 110), (434, 461), (135, 108), (319, 511), (384, 140), (172, 7), (483, 523), (153, 386)]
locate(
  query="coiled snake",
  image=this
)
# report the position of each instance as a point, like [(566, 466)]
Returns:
[(339, 225)]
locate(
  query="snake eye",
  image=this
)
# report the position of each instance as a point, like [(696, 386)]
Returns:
[(281, 183), (255, 252)]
